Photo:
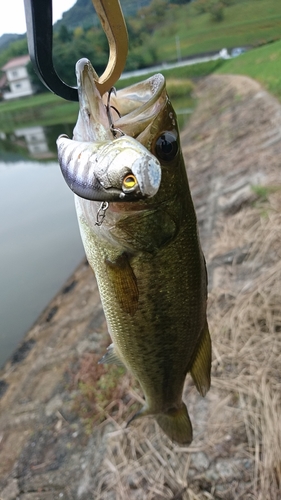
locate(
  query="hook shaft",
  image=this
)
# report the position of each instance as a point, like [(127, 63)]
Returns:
[(113, 24), (38, 15)]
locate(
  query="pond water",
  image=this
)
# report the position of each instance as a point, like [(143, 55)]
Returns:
[(40, 244)]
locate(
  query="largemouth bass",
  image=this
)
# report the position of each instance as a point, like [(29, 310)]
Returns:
[(139, 230)]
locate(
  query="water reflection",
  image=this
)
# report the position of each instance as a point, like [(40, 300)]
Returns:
[(35, 142), (40, 244)]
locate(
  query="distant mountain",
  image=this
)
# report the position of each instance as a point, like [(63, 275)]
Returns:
[(83, 13), (7, 38)]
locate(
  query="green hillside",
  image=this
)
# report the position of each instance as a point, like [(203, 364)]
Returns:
[(83, 14), (246, 23)]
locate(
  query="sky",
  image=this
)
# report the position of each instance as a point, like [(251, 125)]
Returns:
[(12, 18)]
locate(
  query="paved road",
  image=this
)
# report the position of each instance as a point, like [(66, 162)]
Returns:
[(160, 67)]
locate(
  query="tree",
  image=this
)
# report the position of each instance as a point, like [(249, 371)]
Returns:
[(64, 35), (216, 10), (91, 43), (154, 14), (180, 2), (214, 7)]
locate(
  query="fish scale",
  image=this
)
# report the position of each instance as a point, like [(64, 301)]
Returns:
[(176, 315)]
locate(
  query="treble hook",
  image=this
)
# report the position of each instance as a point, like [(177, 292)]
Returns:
[(40, 44)]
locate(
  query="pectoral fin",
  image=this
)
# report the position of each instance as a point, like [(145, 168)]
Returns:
[(124, 283), (201, 368)]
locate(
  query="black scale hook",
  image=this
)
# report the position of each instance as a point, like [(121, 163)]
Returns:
[(39, 24), (39, 17)]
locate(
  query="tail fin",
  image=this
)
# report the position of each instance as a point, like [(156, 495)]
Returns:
[(176, 424)]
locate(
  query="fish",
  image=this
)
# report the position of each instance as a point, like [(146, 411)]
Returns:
[(139, 229)]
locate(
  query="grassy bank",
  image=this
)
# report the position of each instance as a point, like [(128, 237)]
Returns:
[(262, 64), (44, 109)]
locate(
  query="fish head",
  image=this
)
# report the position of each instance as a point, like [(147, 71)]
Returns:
[(100, 164), (125, 146)]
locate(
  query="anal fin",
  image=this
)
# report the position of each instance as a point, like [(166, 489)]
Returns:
[(110, 357), (201, 368)]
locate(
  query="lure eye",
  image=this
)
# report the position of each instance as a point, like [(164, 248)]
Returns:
[(129, 181), (166, 146)]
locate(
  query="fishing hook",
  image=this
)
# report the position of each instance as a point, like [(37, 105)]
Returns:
[(40, 44), (108, 108)]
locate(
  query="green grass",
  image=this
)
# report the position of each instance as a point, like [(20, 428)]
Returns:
[(44, 109), (249, 22), (263, 64)]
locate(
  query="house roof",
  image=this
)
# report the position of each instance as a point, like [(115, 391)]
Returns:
[(16, 62)]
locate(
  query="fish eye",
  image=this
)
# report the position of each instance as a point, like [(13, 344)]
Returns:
[(129, 181), (166, 146)]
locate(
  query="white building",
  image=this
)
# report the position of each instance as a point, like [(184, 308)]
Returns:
[(17, 78)]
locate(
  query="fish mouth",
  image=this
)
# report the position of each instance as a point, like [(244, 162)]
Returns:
[(131, 111), (92, 124), (139, 107)]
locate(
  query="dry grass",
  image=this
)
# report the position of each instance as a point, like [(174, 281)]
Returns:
[(247, 338), (236, 452)]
